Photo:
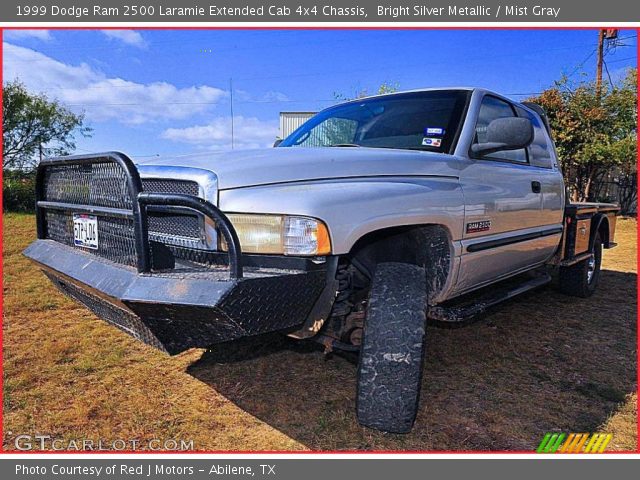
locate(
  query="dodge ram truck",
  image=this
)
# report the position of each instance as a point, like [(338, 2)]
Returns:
[(374, 217)]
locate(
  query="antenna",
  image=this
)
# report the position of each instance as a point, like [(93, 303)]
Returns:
[(231, 107)]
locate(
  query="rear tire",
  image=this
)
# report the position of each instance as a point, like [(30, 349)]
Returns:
[(392, 351), (581, 279)]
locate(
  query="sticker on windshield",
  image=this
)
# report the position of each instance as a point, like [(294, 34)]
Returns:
[(433, 131), (431, 142)]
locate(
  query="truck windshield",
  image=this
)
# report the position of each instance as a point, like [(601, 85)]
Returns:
[(413, 121)]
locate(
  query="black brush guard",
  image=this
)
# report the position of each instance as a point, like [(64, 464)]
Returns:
[(173, 308)]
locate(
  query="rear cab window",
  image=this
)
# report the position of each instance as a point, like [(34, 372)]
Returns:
[(540, 151), (491, 109)]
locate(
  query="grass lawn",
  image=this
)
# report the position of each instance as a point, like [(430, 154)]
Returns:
[(543, 362)]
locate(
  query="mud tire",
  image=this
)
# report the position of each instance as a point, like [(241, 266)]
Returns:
[(393, 346)]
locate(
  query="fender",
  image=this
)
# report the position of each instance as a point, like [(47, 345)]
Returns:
[(352, 208), (599, 221)]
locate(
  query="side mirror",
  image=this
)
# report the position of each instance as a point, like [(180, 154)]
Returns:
[(511, 133), (277, 142)]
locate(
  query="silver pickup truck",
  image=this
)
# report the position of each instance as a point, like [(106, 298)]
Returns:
[(372, 218)]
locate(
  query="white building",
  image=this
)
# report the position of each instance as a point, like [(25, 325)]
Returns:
[(289, 121)]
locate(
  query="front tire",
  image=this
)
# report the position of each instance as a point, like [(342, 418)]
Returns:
[(392, 351), (581, 279)]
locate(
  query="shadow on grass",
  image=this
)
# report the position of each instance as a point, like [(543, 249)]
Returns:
[(542, 362)]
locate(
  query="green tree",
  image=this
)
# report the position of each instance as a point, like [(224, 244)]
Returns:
[(35, 126), (385, 87), (595, 134)]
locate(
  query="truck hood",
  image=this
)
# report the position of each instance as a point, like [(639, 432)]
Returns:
[(244, 168)]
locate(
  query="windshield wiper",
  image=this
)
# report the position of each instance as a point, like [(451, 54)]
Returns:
[(345, 145)]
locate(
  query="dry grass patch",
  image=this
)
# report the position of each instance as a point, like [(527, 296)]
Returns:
[(542, 362)]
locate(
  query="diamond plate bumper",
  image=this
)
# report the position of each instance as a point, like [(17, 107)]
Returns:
[(182, 308)]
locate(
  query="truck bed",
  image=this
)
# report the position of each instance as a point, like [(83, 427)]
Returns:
[(590, 207), (581, 223)]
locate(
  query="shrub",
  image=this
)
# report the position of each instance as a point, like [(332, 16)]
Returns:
[(18, 191)]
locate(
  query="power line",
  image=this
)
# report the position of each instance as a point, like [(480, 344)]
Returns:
[(133, 104), (131, 154), (122, 104), (115, 44), (588, 57), (318, 74), (159, 43), (581, 64), (259, 77), (606, 68), (622, 59), (235, 102), (47, 52)]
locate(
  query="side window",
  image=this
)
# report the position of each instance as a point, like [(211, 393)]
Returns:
[(491, 109), (540, 150)]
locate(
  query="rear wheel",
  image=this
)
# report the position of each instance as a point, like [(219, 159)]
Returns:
[(392, 351), (581, 279)]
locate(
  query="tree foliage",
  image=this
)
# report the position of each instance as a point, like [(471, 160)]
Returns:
[(384, 88), (595, 134), (34, 125)]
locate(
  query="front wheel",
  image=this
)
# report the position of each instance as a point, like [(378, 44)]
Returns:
[(392, 351), (581, 279)]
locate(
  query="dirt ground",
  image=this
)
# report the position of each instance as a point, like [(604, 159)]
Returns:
[(543, 362)]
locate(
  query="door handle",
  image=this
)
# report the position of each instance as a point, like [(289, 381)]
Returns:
[(536, 187)]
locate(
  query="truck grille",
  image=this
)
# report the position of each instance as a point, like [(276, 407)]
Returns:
[(160, 185), (98, 184), (117, 238), (104, 184), (175, 229)]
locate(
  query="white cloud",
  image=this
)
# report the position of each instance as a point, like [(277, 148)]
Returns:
[(83, 88), (43, 35), (270, 96), (275, 97), (241, 95), (249, 132), (40, 72), (130, 37)]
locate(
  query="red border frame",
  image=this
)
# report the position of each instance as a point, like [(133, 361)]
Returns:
[(306, 452)]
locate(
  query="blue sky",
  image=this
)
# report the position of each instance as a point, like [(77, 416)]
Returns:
[(148, 92)]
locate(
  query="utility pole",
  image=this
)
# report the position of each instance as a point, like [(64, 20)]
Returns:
[(231, 106), (599, 64)]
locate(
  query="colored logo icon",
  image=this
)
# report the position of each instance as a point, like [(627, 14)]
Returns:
[(574, 443)]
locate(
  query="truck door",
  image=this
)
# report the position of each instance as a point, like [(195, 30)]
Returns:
[(506, 228), (542, 155)]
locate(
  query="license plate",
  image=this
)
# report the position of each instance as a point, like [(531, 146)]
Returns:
[(85, 231)]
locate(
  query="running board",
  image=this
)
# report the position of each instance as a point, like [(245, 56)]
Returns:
[(476, 303)]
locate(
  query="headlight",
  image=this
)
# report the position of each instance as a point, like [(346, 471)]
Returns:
[(280, 234)]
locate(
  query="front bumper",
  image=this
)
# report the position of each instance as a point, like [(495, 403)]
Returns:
[(180, 309), (163, 296)]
